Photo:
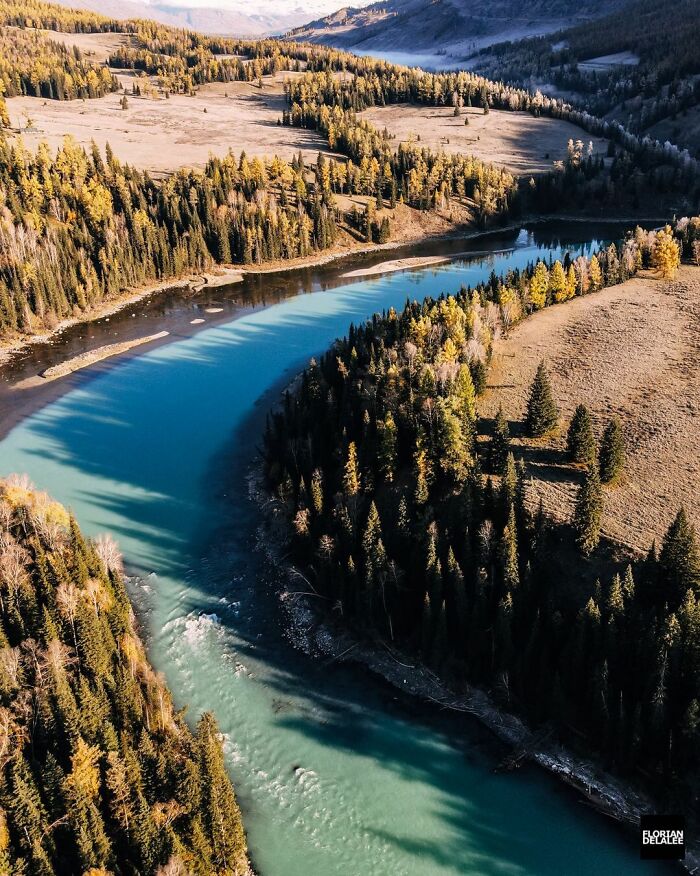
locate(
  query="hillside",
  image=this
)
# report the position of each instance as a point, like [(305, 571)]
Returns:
[(637, 65), (98, 772), (444, 25), (604, 349), (416, 531)]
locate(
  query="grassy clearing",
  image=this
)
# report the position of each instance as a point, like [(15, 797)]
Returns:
[(633, 351)]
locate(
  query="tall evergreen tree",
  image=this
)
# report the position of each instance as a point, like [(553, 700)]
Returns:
[(588, 511), (679, 560), (580, 443), (500, 443), (612, 452), (542, 414)]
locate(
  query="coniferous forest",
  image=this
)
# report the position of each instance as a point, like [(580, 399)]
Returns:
[(412, 528), (99, 772), (109, 227), (413, 519)]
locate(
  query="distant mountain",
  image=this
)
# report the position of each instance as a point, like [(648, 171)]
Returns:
[(452, 25), (230, 17)]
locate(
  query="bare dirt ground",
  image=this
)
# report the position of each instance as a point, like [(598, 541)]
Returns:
[(631, 351), (522, 143), (161, 135)]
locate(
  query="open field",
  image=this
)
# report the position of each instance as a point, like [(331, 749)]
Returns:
[(633, 351), (160, 135), (605, 62), (522, 143), (95, 46)]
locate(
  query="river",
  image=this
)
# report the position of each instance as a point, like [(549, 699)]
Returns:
[(336, 775)]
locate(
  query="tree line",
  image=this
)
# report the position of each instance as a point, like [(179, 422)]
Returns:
[(329, 101), (661, 84), (80, 227), (412, 529), (31, 64), (184, 59), (417, 176), (99, 773)]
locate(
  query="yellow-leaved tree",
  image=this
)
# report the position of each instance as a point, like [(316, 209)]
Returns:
[(666, 254), (557, 282), (538, 286)]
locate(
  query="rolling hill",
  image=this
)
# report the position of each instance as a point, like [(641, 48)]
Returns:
[(445, 25)]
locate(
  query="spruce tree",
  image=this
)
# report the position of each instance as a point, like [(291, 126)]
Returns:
[(588, 511), (612, 452), (679, 560), (542, 415), (580, 443), (500, 443), (386, 449)]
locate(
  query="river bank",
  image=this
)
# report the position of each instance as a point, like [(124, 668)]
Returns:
[(310, 628), (222, 276)]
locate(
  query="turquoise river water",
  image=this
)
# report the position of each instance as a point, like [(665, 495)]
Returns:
[(336, 776)]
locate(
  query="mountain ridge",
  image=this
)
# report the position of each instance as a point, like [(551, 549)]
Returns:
[(441, 25), (236, 18)]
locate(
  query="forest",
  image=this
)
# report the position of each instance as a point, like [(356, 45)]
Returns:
[(108, 227), (79, 229), (663, 83), (415, 529), (99, 773), (35, 65)]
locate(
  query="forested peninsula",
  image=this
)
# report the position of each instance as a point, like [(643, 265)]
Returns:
[(409, 520), (99, 773)]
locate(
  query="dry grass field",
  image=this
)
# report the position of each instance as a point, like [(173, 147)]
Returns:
[(522, 143), (95, 46), (160, 135), (633, 351)]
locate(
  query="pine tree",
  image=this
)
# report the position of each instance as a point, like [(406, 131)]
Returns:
[(500, 443), (588, 511), (464, 396), (580, 443), (386, 452), (679, 560), (509, 554), (453, 444), (612, 452), (542, 415)]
